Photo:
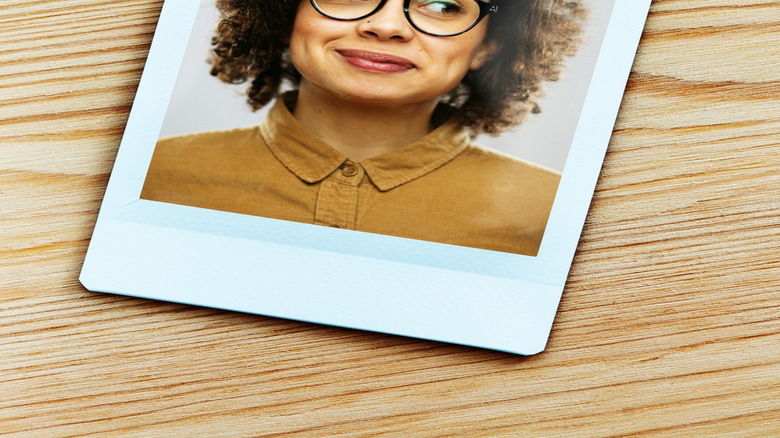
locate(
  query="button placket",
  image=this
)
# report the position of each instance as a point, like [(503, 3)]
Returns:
[(338, 197)]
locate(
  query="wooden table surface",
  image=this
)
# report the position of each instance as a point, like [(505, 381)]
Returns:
[(669, 324)]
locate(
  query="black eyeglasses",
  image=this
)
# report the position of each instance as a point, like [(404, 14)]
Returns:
[(443, 18)]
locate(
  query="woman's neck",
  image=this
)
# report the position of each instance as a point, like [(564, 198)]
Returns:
[(358, 129)]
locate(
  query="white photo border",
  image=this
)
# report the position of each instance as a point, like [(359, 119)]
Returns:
[(387, 284)]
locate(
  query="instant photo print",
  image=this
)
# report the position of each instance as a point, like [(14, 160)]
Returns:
[(387, 272)]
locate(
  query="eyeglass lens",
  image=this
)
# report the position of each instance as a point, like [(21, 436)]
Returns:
[(436, 17)]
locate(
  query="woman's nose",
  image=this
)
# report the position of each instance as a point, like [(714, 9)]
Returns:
[(387, 23)]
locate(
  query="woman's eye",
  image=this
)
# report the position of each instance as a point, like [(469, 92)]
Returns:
[(440, 7)]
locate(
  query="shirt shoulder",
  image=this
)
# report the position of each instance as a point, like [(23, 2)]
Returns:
[(508, 200), (205, 142), (212, 150), (483, 163), (194, 162)]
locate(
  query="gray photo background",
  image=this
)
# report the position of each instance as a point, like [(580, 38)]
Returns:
[(200, 102)]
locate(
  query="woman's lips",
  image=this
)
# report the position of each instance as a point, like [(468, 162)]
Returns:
[(378, 62)]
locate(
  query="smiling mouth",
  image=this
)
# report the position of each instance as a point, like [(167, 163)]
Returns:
[(377, 62)]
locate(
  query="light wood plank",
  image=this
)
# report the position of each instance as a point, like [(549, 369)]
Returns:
[(669, 325)]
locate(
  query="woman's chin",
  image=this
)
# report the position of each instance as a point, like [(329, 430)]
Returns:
[(385, 98), (369, 95)]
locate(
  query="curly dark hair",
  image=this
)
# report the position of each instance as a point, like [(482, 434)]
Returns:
[(533, 36)]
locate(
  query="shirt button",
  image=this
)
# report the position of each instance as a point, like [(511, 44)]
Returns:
[(349, 170)]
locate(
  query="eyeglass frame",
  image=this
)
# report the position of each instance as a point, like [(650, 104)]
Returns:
[(485, 9)]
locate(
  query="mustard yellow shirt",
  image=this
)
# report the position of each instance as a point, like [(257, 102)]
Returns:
[(441, 188)]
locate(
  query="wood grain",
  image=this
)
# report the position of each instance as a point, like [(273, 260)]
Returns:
[(669, 324)]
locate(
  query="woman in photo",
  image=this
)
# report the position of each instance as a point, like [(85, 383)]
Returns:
[(376, 135)]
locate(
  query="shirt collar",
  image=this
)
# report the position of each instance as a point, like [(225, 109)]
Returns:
[(312, 160)]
